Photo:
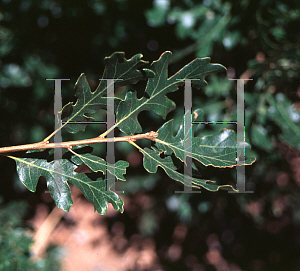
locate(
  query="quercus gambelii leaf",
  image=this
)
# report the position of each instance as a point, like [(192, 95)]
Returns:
[(59, 172), (96, 163), (219, 150), (116, 67), (157, 88), (152, 161), (56, 174)]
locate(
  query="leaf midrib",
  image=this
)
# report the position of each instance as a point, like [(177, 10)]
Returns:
[(158, 93), (96, 95), (59, 173), (174, 171), (97, 162), (197, 155)]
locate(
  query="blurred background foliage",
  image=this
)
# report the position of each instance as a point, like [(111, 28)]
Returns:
[(15, 240), (256, 39)]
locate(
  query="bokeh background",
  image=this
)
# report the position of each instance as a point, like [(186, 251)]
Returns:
[(159, 229)]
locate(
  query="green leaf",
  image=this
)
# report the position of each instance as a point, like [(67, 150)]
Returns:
[(152, 161), (218, 150), (283, 113), (116, 67), (157, 87), (96, 163), (58, 173), (95, 192)]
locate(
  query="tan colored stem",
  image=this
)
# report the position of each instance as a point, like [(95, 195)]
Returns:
[(67, 145)]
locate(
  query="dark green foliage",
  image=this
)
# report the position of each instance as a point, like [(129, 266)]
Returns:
[(219, 150)]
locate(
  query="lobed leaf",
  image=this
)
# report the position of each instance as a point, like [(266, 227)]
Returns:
[(96, 163), (157, 87), (116, 67), (218, 150), (152, 161), (96, 193), (58, 173)]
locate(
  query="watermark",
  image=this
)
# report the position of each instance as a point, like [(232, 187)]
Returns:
[(240, 137), (110, 122), (240, 122), (59, 187), (187, 137)]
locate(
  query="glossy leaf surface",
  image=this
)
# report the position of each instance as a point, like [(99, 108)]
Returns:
[(218, 150), (58, 173)]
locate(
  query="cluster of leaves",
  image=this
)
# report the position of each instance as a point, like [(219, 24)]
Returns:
[(15, 241), (262, 33), (219, 150)]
